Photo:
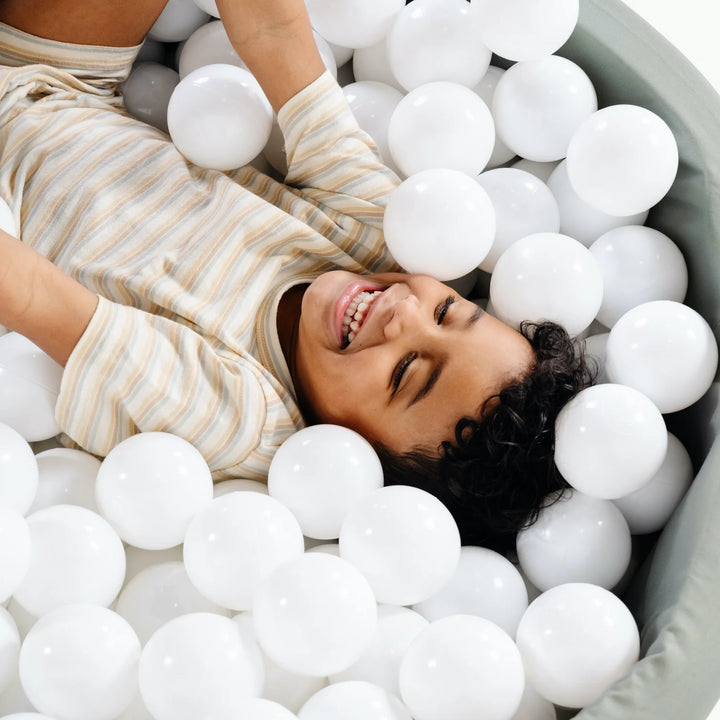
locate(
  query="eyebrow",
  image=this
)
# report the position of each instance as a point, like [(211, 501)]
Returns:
[(437, 370)]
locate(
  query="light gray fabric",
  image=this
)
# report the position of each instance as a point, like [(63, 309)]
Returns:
[(676, 595)]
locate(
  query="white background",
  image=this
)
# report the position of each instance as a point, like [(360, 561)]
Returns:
[(692, 26)]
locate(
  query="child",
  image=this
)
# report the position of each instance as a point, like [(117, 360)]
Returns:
[(215, 306)]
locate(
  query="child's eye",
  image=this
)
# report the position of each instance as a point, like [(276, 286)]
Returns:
[(400, 369), (442, 308)]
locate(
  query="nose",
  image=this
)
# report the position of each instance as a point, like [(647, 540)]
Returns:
[(405, 318)]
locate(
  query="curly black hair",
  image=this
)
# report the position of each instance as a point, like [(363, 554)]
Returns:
[(496, 475)]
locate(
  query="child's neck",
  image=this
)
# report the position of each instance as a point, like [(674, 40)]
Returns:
[(288, 323)]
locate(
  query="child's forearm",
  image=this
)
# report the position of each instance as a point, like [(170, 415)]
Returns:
[(40, 301), (275, 40)]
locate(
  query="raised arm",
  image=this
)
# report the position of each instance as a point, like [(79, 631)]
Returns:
[(40, 301), (275, 39)]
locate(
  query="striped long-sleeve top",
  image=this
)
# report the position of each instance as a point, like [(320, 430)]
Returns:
[(189, 264)]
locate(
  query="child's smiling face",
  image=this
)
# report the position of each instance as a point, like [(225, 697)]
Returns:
[(421, 358)]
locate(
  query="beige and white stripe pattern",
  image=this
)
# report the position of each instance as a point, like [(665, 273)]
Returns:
[(189, 263)]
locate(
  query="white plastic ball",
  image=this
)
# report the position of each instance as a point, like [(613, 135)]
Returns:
[(319, 473), (209, 7), (404, 541), (80, 662), (158, 594), (525, 29), (76, 558), (13, 700), (239, 485), (666, 350), (462, 667), (263, 709), (353, 700), (396, 628), (523, 206), (198, 665), (15, 550), (7, 219), (622, 159), (441, 125), (138, 559), (29, 388), (287, 688), (372, 64), (580, 220), (576, 641), (538, 105), (547, 276), (177, 21), (373, 104), (501, 153), (147, 91), (541, 170), (576, 538), (9, 649), (534, 706), (610, 440), (638, 264), (353, 23), (433, 40), (66, 477), (315, 615), (341, 54), (234, 543), (649, 508), (208, 45), (440, 223), (150, 486), (219, 117), (595, 350), (485, 584)]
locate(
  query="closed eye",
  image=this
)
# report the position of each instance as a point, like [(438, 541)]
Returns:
[(399, 371), (442, 308)]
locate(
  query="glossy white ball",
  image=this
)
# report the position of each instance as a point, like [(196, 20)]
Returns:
[(433, 40), (29, 388), (9, 649), (610, 440), (198, 665), (485, 584), (208, 45), (538, 105), (315, 615), (462, 667), (379, 664), (440, 223), (576, 538), (524, 29), (523, 206), (353, 23), (80, 662), (7, 219), (178, 20), (235, 542), (441, 125), (158, 594), (638, 265), (353, 700), (404, 541), (77, 557), (219, 117), (150, 486), (622, 159), (666, 350), (18, 470), (320, 473), (66, 477), (209, 7), (15, 550), (580, 220), (147, 92), (547, 276), (485, 89), (576, 641), (372, 64)]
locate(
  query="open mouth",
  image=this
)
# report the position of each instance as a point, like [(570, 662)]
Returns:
[(356, 313)]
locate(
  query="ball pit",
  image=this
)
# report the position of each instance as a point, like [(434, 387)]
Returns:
[(609, 43)]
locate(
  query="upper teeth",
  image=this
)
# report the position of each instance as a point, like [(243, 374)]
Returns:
[(355, 313)]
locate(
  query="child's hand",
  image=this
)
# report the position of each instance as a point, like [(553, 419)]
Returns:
[(275, 40)]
